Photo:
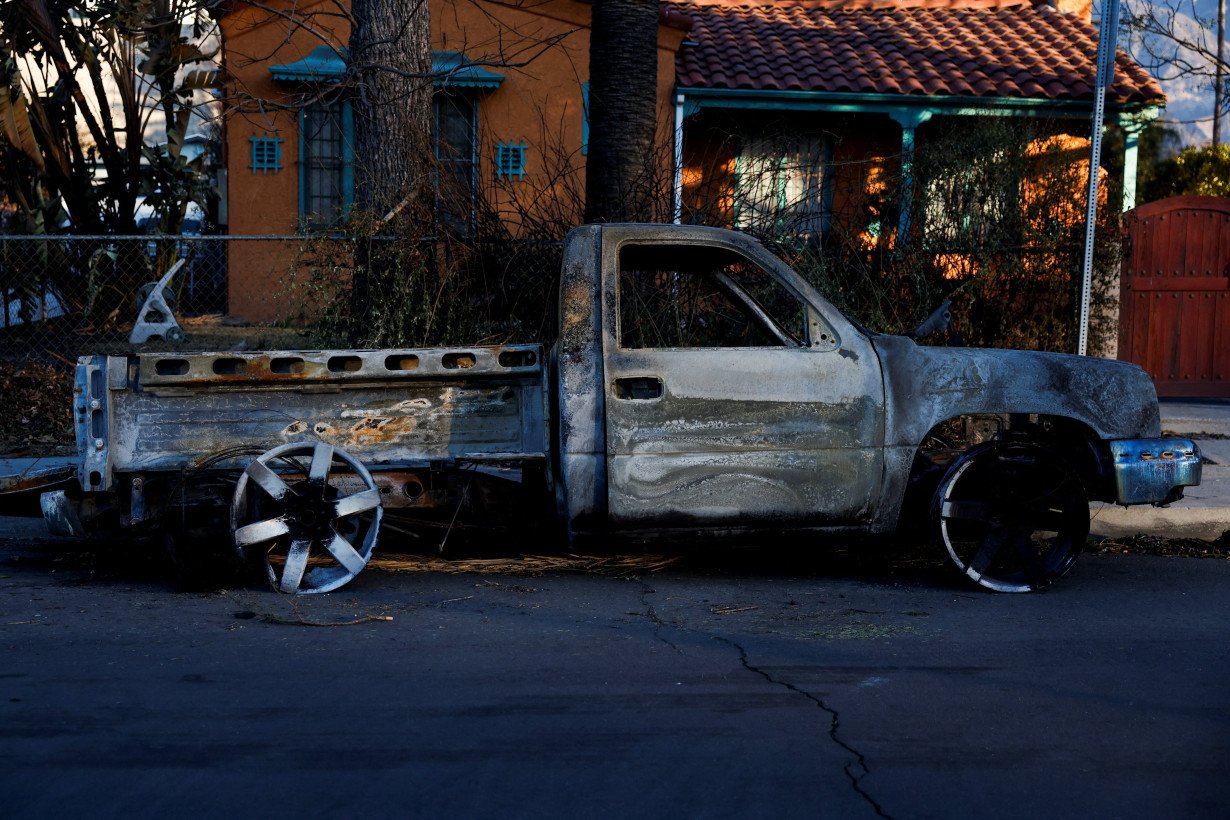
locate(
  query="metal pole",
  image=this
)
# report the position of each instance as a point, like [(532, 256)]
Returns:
[(1106, 75), (1220, 70)]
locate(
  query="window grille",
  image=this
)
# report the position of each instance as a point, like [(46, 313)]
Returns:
[(455, 133), (266, 154), (510, 160), (326, 177)]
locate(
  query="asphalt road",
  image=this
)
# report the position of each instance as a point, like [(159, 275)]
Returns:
[(736, 687)]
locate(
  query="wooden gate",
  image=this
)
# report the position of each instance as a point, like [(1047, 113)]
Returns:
[(1174, 314)]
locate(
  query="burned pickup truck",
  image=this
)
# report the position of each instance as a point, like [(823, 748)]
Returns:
[(698, 387)]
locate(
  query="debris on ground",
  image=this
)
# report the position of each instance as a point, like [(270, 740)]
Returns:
[(618, 565), (1203, 435), (39, 415), (266, 617), (1166, 547)]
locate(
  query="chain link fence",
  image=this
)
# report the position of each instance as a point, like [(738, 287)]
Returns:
[(67, 296)]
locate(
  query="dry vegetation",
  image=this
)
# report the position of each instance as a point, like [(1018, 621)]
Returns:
[(37, 417), (1165, 547)]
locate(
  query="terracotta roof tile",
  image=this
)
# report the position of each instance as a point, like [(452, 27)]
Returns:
[(980, 48)]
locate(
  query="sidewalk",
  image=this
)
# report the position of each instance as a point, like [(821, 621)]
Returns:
[(1204, 511)]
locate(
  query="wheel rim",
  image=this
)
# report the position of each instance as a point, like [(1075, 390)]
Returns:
[(312, 532), (1012, 519)]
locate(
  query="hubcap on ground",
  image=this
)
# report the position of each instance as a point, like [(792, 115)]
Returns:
[(311, 537)]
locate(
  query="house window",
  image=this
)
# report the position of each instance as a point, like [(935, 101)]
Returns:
[(969, 203), (781, 186), (585, 118), (326, 178), (455, 135), (266, 154), (510, 160)]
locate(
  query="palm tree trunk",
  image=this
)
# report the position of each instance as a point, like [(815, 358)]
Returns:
[(623, 82)]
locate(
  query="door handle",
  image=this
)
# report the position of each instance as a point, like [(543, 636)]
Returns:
[(639, 388)]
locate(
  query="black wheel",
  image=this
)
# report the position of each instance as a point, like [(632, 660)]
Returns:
[(1013, 517)]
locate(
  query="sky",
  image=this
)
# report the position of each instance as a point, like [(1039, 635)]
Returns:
[(1183, 73)]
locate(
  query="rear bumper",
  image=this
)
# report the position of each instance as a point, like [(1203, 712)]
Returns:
[(1153, 470)]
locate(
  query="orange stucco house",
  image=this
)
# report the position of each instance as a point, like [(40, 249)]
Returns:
[(760, 104), (511, 85)]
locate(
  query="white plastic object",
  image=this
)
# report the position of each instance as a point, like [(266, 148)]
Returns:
[(155, 319)]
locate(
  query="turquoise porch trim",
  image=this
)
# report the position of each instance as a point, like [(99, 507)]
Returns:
[(902, 105), (325, 64), (585, 118), (452, 69)]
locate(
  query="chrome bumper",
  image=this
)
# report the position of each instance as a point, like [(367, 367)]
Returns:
[(1154, 470)]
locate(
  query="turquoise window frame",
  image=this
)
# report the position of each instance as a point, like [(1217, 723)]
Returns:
[(474, 140), (510, 160), (827, 174), (347, 186), (266, 154)]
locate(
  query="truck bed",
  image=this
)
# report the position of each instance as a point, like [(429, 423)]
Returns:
[(397, 407)]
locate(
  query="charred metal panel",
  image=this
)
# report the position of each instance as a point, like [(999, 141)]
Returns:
[(927, 385), (36, 477), (783, 433), (477, 408), (898, 462), (731, 436), (293, 367), (582, 476), (1150, 471), (95, 379), (60, 513), (796, 488)]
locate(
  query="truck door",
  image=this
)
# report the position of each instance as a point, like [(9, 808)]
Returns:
[(731, 398)]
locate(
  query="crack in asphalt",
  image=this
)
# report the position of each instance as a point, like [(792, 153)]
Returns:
[(859, 762), (652, 615), (852, 769)]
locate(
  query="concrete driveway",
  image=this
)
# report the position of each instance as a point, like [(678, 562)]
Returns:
[(749, 685)]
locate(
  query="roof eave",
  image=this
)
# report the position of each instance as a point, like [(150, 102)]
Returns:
[(697, 98)]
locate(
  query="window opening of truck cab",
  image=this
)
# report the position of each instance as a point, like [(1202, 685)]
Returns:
[(697, 296)]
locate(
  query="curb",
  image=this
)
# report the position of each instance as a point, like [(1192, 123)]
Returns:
[(1205, 523), (1193, 419)]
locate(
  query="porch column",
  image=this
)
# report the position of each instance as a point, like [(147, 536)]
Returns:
[(677, 185), (1131, 144), (909, 120)]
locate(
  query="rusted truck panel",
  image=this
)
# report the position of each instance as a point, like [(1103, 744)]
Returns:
[(698, 385), (580, 467), (789, 432), (164, 412)]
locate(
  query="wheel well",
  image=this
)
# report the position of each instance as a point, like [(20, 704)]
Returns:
[(1069, 439)]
